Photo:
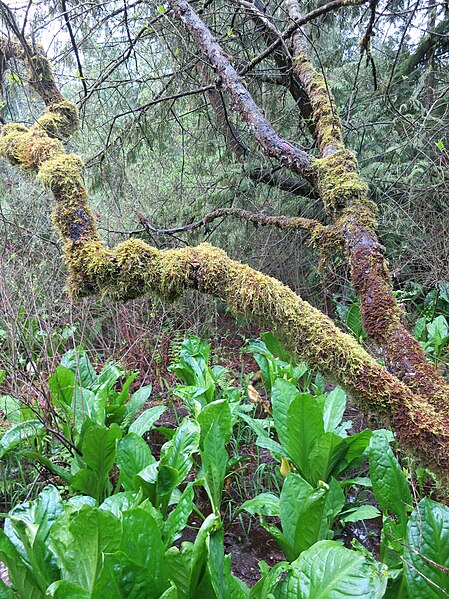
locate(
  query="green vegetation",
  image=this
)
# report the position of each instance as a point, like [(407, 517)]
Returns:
[(139, 460), (116, 527)]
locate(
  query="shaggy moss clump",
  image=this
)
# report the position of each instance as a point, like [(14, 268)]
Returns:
[(338, 181), (60, 120)]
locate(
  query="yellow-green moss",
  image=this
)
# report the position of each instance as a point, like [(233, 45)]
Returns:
[(338, 180), (28, 148), (326, 122), (60, 120)]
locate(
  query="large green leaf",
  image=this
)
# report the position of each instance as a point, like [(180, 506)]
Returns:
[(302, 511), (99, 452), (122, 578), (77, 361), (62, 589), (389, 483), (19, 571), (304, 428), (330, 571), (86, 482), (32, 524), (426, 552), (121, 502), (18, 433), (79, 540), (62, 385), (11, 408), (334, 408), (214, 459), (265, 504), (133, 455), (177, 452), (6, 592), (282, 395), (99, 445), (200, 553), (219, 413), (179, 563), (146, 421), (178, 517), (142, 543), (327, 452), (357, 451), (136, 402)]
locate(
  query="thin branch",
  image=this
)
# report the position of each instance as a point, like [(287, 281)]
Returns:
[(227, 77), (299, 22), (74, 46), (281, 222)]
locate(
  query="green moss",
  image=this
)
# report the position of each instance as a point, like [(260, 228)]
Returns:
[(338, 181), (60, 120), (28, 148), (326, 122)]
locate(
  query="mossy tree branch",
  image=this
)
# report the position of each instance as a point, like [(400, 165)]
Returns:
[(292, 223), (134, 268), (344, 194), (231, 82)]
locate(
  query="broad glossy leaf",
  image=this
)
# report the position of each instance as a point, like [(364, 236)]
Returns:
[(215, 562), (282, 395), (62, 386), (86, 481), (364, 512), (334, 408), (62, 589), (178, 517), (142, 543), (11, 408), (99, 449), (389, 483), (6, 592), (133, 455), (214, 459), (146, 421), (20, 433), (357, 452), (200, 551), (19, 572), (219, 413), (335, 500), (265, 504), (329, 570), (304, 428), (426, 552), (167, 479), (137, 401), (122, 397), (438, 326), (121, 502), (179, 564), (32, 523), (79, 540), (122, 578), (302, 510), (177, 452), (77, 361), (86, 405), (275, 346), (327, 453)]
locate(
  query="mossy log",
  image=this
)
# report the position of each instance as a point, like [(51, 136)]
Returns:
[(134, 268)]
